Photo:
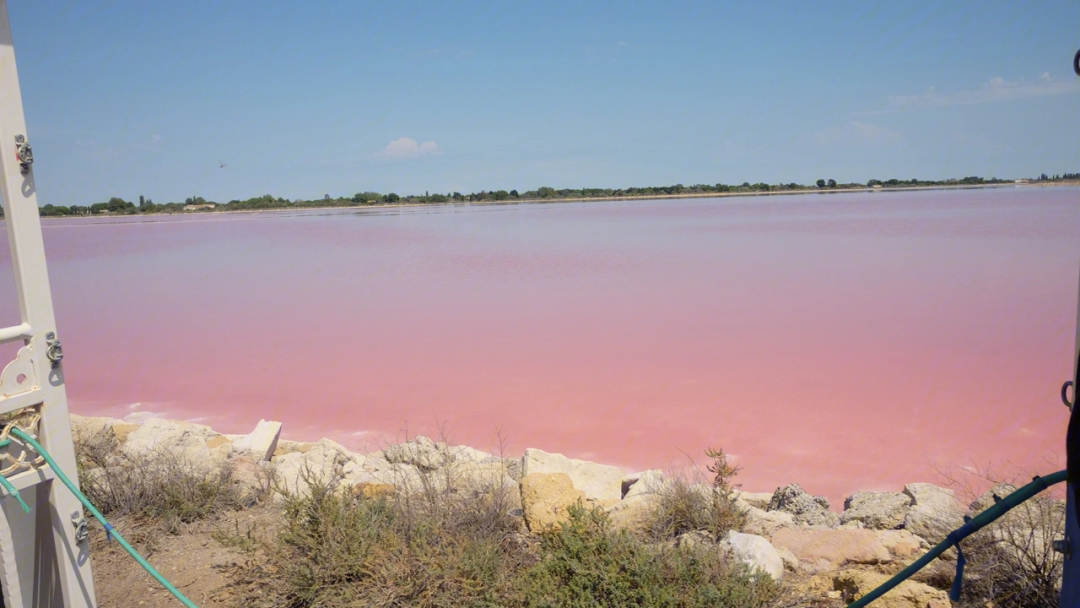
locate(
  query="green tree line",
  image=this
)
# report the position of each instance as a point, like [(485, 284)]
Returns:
[(144, 205)]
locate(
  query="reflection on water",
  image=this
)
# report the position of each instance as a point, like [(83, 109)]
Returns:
[(850, 341)]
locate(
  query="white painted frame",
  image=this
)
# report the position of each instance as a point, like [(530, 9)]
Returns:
[(41, 563)]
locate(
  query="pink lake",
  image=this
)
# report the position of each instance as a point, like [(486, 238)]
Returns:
[(847, 341)]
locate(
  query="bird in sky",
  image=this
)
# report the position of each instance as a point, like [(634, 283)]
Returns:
[(222, 165)]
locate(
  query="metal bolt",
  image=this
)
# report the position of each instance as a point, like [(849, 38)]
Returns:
[(24, 154), (54, 350), (82, 531), (76, 515)]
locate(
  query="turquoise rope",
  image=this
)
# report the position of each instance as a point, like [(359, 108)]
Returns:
[(11, 490), (101, 518), (974, 525), (8, 485)]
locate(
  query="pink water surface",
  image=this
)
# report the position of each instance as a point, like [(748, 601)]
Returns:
[(848, 341)]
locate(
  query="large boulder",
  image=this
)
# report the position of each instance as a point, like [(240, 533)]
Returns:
[(405, 477), (645, 483), (824, 550), (790, 561), (902, 545), (807, 509), (463, 453), (756, 552), (286, 446), (934, 512), (640, 492), (758, 500), (261, 443), (765, 523), (599, 482), (990, 497), (322, 464), (159, 434), (89, 428), (421, 452), (183, 440), (546, 499), (853, 584), (876, 510)]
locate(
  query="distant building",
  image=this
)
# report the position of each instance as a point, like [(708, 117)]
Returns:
[(1021, 181), (199, 207)]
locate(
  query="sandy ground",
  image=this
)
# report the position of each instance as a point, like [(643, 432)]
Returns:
[(194, 561)]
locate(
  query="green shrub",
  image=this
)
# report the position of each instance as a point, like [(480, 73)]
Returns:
[(587, 565), (341, 550), (441, 547)]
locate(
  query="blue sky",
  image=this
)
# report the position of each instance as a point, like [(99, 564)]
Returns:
[(302, 99)]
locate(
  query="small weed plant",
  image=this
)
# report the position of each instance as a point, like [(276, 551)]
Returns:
[(681, 506)]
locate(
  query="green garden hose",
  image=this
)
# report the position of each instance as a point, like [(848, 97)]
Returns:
[(17, 432)]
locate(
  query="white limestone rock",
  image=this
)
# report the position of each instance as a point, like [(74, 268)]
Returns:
[(934, 511), (790, 561), (420, 452), (765, 523), (758, 500), (876, 510), (185, 440), (323, 463), (645, 483), (756, 552), (260, 443), (599, 482), (463, 453), (811, 510)]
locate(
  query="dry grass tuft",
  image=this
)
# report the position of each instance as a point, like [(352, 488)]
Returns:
[(1011, 563), (161, 488)]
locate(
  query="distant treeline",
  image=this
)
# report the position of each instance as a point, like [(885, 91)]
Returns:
[(145, 205)]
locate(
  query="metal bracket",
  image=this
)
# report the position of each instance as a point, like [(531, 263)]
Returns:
[(24, 153), (1062, 546), (81, 531), (54, 350)]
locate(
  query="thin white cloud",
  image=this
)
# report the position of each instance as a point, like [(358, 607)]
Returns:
[(858, 134), (994, 90), (406, 147)]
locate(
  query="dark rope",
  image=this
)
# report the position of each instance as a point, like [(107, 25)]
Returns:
[(1003, 506)]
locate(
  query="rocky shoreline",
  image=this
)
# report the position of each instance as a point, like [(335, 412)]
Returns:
[(787, 534)]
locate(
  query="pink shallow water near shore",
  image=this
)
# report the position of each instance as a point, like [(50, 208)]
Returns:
[(849, 341)]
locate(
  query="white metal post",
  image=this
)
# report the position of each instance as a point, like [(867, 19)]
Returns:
[(44, 561)]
